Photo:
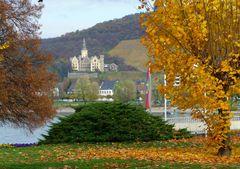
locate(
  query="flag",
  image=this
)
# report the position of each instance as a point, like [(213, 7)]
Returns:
[(148, 88)]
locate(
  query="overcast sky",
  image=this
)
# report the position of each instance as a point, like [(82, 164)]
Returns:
[(62, 16)]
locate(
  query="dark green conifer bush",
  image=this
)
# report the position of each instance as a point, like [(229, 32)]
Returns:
[(109, 122)]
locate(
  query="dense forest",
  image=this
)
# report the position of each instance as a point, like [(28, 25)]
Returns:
[(100, 39)]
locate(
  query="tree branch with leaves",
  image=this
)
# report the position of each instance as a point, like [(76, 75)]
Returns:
[(198, 41), (26, 85)]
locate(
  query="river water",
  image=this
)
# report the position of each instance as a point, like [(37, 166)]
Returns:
[(11, 135)]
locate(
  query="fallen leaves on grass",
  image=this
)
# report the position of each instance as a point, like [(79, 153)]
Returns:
[(185, 151), (185, 155)]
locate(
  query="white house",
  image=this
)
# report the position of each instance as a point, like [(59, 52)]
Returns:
[(106, 90)]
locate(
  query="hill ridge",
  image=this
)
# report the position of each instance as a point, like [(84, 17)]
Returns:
[(100, 38)]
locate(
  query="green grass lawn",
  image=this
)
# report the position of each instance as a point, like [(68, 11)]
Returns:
[(105, 163), (67, 156)]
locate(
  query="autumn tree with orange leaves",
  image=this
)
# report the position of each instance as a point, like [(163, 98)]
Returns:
[(198, 41), (25, 83)]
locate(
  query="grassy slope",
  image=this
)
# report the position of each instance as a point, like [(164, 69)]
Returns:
[(132, 51)]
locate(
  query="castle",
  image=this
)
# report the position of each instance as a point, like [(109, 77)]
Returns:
[(83, 63)]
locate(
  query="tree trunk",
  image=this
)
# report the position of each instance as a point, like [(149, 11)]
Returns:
[(226, 149)]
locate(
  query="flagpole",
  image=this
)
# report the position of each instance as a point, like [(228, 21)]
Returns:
[(147, 92), (165, 99), (150, 91)]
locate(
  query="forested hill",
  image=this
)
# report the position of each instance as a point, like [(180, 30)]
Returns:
[(100, 38)]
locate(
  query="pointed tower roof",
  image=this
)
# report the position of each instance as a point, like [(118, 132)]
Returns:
[(84, 44)]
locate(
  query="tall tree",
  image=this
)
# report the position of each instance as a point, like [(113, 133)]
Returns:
[(26, 85), (198, 41), (86, 89), (125, 91)]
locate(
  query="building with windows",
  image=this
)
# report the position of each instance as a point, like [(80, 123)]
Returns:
[(84, 63), (106, 90)]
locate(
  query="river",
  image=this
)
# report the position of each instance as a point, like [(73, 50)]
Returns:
[(11, 135)]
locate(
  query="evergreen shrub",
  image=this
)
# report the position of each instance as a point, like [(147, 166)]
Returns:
[(110, 122)]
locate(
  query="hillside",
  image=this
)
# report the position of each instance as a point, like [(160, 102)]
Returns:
[(133, 53), (100, 39)]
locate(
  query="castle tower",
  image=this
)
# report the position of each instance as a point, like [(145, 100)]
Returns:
[(84, 52)]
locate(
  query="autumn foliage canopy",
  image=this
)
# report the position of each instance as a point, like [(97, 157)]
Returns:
[(198, 41), (25, 83)]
